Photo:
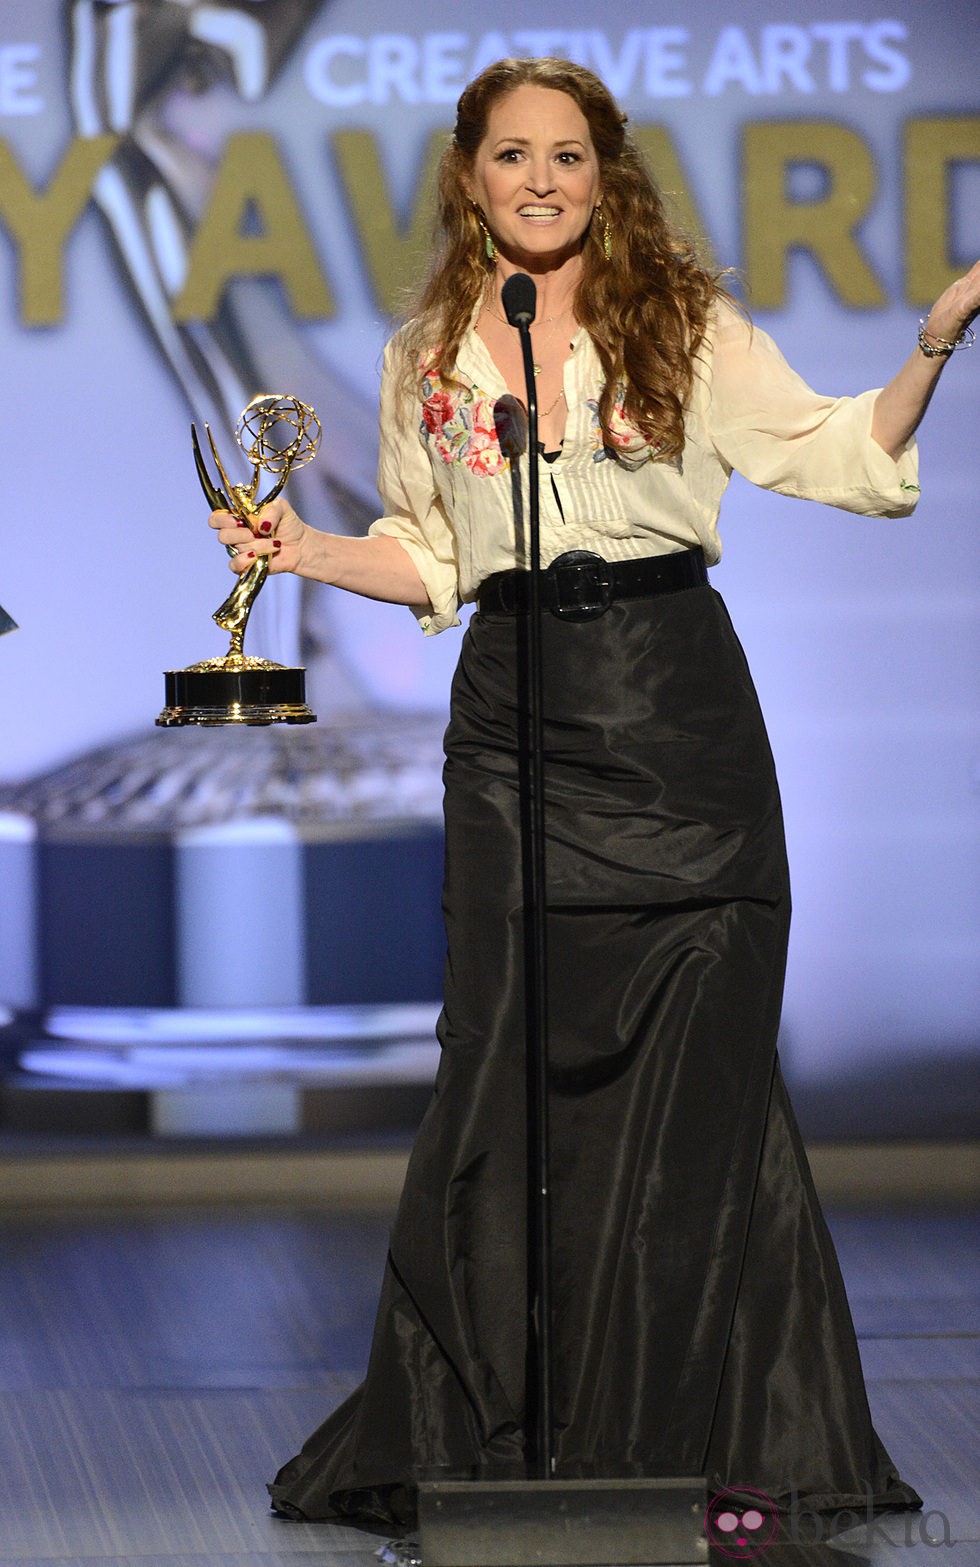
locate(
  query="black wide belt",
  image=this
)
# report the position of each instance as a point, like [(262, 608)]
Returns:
[(581, 586)]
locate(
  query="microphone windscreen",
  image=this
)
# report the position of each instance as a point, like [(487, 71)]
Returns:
[(519, 298), (510, 423)]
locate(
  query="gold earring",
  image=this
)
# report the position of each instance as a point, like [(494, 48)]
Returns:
[(607, 248), (489, 247)]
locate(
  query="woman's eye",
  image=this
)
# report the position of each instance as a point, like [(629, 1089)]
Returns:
[(569, 157), (508, 155)]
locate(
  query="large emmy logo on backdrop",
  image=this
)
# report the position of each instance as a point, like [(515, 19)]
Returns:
[(276, 433)]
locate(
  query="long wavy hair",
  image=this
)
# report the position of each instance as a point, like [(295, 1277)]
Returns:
[(645, 307)]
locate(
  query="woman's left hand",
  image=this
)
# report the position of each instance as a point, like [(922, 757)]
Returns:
[(955, 308), (900, 405)]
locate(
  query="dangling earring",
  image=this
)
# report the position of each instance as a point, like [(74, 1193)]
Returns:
[(490, 249), (606, 231)]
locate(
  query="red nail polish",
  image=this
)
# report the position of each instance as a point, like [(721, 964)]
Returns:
[(265, 527), (250, 555), (277, 544)]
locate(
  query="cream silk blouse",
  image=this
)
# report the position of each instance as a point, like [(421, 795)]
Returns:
[(448, 487)]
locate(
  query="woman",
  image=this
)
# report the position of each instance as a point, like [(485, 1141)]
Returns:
[(700, 1322)]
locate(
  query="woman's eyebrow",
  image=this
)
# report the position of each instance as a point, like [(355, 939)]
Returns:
[(524, 141)]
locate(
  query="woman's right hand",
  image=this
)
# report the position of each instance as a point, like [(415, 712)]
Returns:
[(377, 568), (275, 531)]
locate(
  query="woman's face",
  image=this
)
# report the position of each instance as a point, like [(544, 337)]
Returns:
[(536, 174)]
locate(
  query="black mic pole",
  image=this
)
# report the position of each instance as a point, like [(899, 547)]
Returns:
[(522, 1523), (519, 299)]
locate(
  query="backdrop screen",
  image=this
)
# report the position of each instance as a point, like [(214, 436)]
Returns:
[(199, 201)]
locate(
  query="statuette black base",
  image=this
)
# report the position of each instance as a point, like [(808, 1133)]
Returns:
[(236, 691)]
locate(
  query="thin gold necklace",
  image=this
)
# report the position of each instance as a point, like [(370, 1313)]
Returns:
[(554, 319), (554, 405)]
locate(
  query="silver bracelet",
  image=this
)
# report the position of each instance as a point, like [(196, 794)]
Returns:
[(937, 347)]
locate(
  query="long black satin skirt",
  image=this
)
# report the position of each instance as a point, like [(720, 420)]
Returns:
[(700, 1322)]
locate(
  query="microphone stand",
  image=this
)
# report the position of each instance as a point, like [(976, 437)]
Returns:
[(519, 303), (526, 1523)]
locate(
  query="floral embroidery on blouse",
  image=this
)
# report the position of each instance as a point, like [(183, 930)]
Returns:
[(461, 427), (627, 442)]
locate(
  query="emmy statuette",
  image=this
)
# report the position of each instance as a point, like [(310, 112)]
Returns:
[(276, 433)]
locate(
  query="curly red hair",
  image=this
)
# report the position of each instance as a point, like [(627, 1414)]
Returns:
[(645, 306)]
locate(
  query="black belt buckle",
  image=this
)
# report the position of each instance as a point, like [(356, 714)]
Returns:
[(581, 585)]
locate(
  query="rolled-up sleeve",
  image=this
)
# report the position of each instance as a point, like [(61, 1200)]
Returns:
[(767, 424), (414, 512)]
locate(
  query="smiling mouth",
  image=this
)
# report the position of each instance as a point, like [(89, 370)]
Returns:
[(539, 213)]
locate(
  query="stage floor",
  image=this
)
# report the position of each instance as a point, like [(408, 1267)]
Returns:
[(157, 1367)]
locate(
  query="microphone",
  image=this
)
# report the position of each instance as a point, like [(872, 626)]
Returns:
[(510, 423), (519, 298)]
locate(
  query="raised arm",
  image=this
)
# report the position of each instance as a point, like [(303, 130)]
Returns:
[(901, 404)]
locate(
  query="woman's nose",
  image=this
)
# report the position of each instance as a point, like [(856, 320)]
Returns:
[(539, 177)]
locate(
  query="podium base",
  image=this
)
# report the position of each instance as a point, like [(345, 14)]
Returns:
[(563, 1523), (235, 690)]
